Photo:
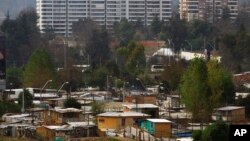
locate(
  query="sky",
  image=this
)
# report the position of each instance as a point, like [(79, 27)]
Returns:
[(14, 6)]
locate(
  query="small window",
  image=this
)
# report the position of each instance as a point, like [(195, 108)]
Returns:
[(101, 120), (123, 121)]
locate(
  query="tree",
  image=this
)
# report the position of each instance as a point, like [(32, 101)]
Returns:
[(72, 103), (28, 99), (176, 30), (132, 58), (205, 87), (156, 25), (221, 85), (22, 35), (99, 77), (197, 134), (39, 69), (171, 75), (124, 31), (218, 131), (9, 107), (14, 76), (98, 49), (71, 75), (195, 91), (234, 49), (92, 40)]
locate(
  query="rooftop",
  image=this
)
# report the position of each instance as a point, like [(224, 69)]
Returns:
[(81, 124), (67, 110), (229, 108), (58, 127), (159, 120), (141, 106), (123, 114)]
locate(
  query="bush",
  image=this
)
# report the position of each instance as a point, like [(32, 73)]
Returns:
[(197, 135)]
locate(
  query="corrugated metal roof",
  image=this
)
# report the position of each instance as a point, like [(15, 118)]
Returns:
[(81, 124), (159, 120), (229, 108), (141, 106), (67, 110), (123, 114)]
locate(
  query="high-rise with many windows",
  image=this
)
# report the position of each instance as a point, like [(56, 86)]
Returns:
[(60, 14), (210, 10)]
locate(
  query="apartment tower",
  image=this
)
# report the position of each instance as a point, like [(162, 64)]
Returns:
[(60, 14)]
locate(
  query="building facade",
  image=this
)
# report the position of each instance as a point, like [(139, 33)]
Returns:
[(60, 14), (210, 10)]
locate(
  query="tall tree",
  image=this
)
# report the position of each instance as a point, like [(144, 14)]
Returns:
[(28, 99), (172, 74), (39, 69), (156, 25), (133, 57), (221, 85), (205, 87), (234, 49), (14, 76), (195, 91), (93, 41), (176, 31), (23, 36), (124, 31)]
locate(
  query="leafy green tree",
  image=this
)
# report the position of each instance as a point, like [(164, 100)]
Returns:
[(205, 87), (22, 35), (221, 85), (197, 134), (176, 30), (218, 131), (72, 103), (71, 75), (98, 49), (234, 49), (132, 58), (9, 107), (99, 77), (39, 69), (124, 31), (195, 91), (156, 25), (93, 41), (28, 99), (172, 74), (14, 76)]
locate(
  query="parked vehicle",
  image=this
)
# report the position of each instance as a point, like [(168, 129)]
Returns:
[(157, 68)]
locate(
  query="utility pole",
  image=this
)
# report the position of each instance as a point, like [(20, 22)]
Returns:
[(22, 110)]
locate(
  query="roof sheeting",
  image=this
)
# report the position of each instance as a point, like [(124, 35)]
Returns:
[(229, 108), (159, 120), (123, 114), (140, 106)]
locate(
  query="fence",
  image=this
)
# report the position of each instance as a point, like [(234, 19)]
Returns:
[(136, 133)]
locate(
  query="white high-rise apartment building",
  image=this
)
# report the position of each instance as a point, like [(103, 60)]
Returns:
[(210, 10), (60, 14)]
